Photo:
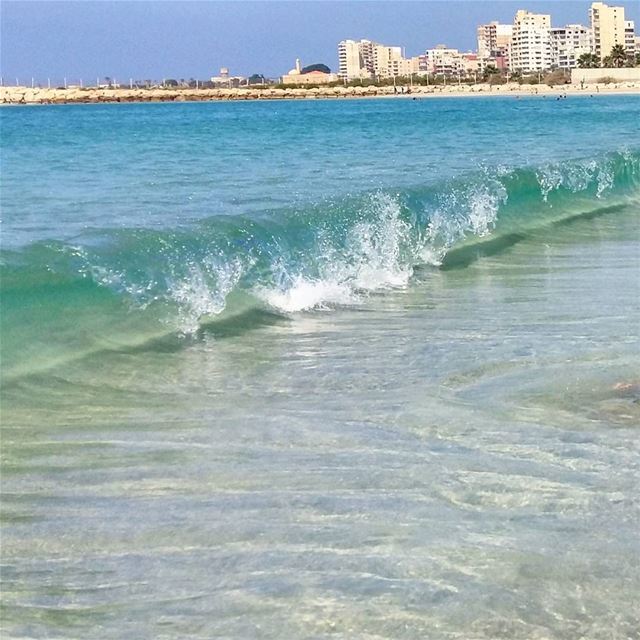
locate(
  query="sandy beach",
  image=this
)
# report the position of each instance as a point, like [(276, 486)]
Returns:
[(28, 95)]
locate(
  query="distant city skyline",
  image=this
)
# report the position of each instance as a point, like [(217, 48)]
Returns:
[(182, 39)]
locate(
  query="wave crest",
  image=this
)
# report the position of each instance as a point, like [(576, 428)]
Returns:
[(329, 254)]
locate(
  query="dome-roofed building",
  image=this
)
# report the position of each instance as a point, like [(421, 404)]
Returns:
[(313, 74)]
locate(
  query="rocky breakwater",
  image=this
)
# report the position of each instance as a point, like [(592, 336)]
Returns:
[(27, 95)]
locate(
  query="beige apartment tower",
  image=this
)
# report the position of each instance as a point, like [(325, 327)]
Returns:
[(363, 59), (630, 37), (608, 26), (350, 59)]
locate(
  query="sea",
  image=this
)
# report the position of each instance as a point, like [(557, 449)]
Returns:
[(350, 369)]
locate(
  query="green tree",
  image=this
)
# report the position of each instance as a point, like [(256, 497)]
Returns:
[(490, 70), (618, 56), (588, 61)]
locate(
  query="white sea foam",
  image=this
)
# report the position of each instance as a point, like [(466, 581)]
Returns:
[(604, 179), (576, 177), (139, 294), (483, 205), (304, 294), (549, 178), (337, 259), (372, 258), (203, 291), (466, 210)]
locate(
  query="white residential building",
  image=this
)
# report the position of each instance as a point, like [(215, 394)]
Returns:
[(443, 60), (531, 42), (568, 44)]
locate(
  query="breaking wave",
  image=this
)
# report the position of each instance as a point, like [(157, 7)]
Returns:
[(119, 286)]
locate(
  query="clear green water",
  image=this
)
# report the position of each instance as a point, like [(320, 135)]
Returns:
[(404, 406)]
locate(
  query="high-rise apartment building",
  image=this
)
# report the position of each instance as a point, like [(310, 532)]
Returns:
[(608, 26), (568, 44), (494, 39), (531, 42), (630, 37), (365, 59), (355, 59)]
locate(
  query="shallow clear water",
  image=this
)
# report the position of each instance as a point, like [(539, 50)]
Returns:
[(428, 429)]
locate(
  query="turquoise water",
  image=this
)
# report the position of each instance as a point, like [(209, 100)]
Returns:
[(321, 369)]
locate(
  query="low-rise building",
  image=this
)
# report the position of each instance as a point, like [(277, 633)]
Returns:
[(443, 60), (225, 79), (300, 76)]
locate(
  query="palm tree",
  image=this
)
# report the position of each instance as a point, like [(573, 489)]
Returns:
[(588, 61), (489, 70), (618, 56)]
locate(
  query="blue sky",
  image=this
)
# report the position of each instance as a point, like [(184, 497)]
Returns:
[(182, 39)]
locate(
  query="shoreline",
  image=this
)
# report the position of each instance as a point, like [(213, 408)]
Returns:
[(36, 96)]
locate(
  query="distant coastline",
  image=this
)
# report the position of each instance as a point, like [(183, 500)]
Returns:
[(26, 95)]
